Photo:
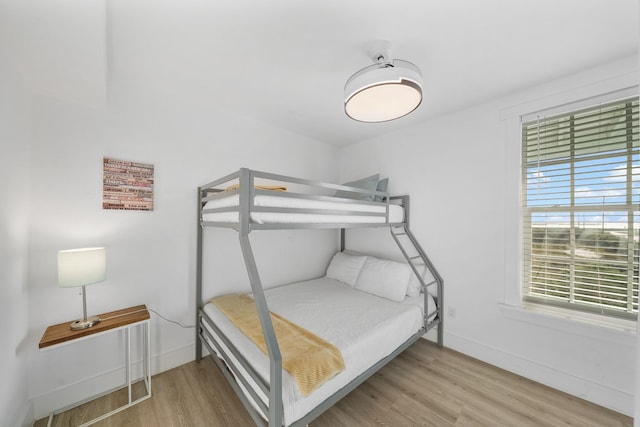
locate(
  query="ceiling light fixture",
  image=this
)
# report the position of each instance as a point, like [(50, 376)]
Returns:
[(387, 90)]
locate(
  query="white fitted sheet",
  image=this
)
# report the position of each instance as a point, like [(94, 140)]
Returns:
[(365, 328), (396, 212)]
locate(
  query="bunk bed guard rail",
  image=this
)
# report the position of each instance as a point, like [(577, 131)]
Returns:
[(303, 199)]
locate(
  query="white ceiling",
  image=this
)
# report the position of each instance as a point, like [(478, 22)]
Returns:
[(285, 62)]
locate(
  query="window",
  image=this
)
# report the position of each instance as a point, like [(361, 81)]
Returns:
[(581, 209)]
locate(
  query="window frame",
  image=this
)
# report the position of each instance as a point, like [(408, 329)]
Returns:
[(526, 229)]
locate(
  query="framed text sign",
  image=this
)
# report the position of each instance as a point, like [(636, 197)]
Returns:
[(127, 185)]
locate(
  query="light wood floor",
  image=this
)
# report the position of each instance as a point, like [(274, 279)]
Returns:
[(424, 386)]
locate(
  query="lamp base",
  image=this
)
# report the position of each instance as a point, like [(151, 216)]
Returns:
[(85, 323)]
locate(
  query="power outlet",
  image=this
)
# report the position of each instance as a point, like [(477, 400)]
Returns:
[(451, 311)]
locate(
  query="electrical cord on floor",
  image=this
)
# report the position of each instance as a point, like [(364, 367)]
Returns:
[(152, 310)]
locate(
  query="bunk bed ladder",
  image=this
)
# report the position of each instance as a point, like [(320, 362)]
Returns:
[(416, 258)]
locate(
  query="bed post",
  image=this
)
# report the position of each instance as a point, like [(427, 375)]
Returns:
[(275, 357), (198, 278)]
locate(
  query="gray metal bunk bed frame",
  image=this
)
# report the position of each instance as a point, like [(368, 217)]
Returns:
[(273, 387)]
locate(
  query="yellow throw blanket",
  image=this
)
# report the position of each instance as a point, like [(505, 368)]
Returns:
[(307, 357), (258, 187)]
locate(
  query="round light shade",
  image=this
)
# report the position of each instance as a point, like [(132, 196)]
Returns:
[(383, 92), (77, 267)]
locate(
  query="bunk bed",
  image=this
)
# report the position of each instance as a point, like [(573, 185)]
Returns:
[(382, 322)]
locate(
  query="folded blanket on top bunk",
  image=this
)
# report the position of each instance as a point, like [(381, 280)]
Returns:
[(308, 358)]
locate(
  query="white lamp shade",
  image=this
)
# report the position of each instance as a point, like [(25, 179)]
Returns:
[(78, 267)]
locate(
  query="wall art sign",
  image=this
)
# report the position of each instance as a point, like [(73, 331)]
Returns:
[(127, 185)]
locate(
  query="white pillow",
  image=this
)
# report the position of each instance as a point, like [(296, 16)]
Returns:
[(387, 279), (414, 288), (345, 267)]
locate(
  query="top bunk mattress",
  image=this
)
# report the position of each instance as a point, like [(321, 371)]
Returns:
[(324, 212), (365, 328)]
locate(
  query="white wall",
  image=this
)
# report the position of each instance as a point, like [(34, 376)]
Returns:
[(636, 418), (150, 255), (462, 172), (14, 214)]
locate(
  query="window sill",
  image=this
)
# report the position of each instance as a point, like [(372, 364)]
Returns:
[(618, 331)]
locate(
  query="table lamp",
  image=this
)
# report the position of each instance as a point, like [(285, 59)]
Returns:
[(81, 267)]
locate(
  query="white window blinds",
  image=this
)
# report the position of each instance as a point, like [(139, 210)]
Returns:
[(581, 212)]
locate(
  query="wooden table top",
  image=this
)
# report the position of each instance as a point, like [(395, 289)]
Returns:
[(57, 334)]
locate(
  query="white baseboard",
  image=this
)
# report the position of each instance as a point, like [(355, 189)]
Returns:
[(600, 394), (62, 397)]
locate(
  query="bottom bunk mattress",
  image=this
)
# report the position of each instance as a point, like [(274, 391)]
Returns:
[(366, 328)]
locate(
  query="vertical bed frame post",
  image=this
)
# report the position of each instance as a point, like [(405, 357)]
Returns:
[(275, 357), (198, 276)]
